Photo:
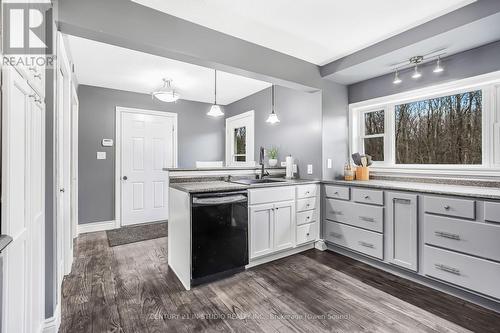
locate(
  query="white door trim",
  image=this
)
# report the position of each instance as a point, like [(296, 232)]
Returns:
[(250, 162), (75, 105), (118, 157)]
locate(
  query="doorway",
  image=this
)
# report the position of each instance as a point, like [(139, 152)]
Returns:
[(146, 143)]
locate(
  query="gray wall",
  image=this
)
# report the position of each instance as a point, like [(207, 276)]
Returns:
[(470, 63), (199, 138), (335, 129), (298, 133)]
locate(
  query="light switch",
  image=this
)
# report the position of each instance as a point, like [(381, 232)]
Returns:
[(309, 169), (101, 155), (329, 163), (295, 168)]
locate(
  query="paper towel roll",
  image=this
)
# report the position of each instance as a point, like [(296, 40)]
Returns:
[(289, 167)]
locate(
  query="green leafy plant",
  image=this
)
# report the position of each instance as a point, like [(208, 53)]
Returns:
[(272, 153)]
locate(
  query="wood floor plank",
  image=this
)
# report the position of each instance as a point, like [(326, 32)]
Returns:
[(130, 288)]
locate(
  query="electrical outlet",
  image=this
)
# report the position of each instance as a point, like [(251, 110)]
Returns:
[(309, 169), (101, 155), (329, 163), (295, 168), (283, 164)]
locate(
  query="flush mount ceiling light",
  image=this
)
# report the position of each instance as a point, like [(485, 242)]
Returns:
[(397, 80), (215, 110), (438, 68), (273, 118), (166, 93)]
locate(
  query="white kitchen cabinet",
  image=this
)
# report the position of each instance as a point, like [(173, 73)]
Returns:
[(402, 230), (261, 230), (272, 228), (284, 225)]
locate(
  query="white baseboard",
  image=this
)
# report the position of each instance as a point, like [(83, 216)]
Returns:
[(51, 325), (96, 226)]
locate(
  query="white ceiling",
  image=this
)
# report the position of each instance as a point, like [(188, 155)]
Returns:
[(104, 65), (317, 31), (463, 38)]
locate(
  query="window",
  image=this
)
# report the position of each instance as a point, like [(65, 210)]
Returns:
[(443, 130), (450, 126), (240, 140), (373, 134)]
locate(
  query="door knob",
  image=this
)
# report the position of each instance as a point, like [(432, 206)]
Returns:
[(125, 178)]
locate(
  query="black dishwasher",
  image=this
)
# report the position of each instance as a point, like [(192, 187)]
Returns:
[(219, 235)]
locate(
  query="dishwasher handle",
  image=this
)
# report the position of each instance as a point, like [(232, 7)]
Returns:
[(219, 200)]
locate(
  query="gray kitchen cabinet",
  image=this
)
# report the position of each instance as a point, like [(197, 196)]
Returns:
[(402, 230)]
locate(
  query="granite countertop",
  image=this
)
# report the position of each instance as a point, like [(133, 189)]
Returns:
[(4, 241), (222, 186), (459, 190)]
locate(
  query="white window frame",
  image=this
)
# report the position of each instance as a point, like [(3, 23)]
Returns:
[(490, 86), (246, 119)]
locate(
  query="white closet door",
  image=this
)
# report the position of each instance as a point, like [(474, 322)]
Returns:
[(15, 222), (147, 147)]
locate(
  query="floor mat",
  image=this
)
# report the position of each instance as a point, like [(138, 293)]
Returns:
[(136, 233)]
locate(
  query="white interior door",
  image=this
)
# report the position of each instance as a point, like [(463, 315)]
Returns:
[(16, 105), (147, 146)]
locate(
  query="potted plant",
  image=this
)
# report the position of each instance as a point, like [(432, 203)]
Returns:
[(272, 153)]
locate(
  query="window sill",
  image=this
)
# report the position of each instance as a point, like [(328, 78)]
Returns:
[(460, 172)]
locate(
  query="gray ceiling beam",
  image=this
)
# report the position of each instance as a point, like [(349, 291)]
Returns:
[(130, 25), (465, 15)]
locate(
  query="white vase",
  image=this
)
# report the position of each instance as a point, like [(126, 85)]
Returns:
[(273, 162)]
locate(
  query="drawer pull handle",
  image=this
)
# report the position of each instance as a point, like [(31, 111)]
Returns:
[(367, 197), (447, 269), (367, 219), (365, 244), (336, 192), (307, 192), (308, 217), (307, 234), (335, 235), (307, 205), (447, 207), (447, 235), (337, 212), (403, 201)]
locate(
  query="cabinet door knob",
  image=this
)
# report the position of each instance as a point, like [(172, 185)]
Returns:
[(125, 178), (307, 234), (62, 190), (447, 207)]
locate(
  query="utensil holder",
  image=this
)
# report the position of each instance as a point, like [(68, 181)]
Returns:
[(362, 173)]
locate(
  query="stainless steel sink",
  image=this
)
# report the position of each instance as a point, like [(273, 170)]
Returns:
[(257, 181)]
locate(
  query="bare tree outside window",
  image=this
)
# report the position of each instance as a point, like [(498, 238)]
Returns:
[(374, 134), (444, 130)]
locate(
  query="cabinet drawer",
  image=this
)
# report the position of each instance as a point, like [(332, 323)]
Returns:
[(307, 233), (450, 206), (307, 216), (476, 274), (367, 242), (492, 211), (274, 194), (306, 204), (374, 197), (307, 191), (474, 238), (358, 215), (337, 192)]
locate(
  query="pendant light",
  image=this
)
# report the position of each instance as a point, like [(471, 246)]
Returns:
[(397, 80), (215, 110), (416, 73), (273, 118), (438, 68), (166, 93)]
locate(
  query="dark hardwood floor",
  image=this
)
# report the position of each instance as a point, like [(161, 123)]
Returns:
[(130, 288)]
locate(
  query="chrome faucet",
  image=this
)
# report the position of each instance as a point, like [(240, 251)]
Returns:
[(263, 173)]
